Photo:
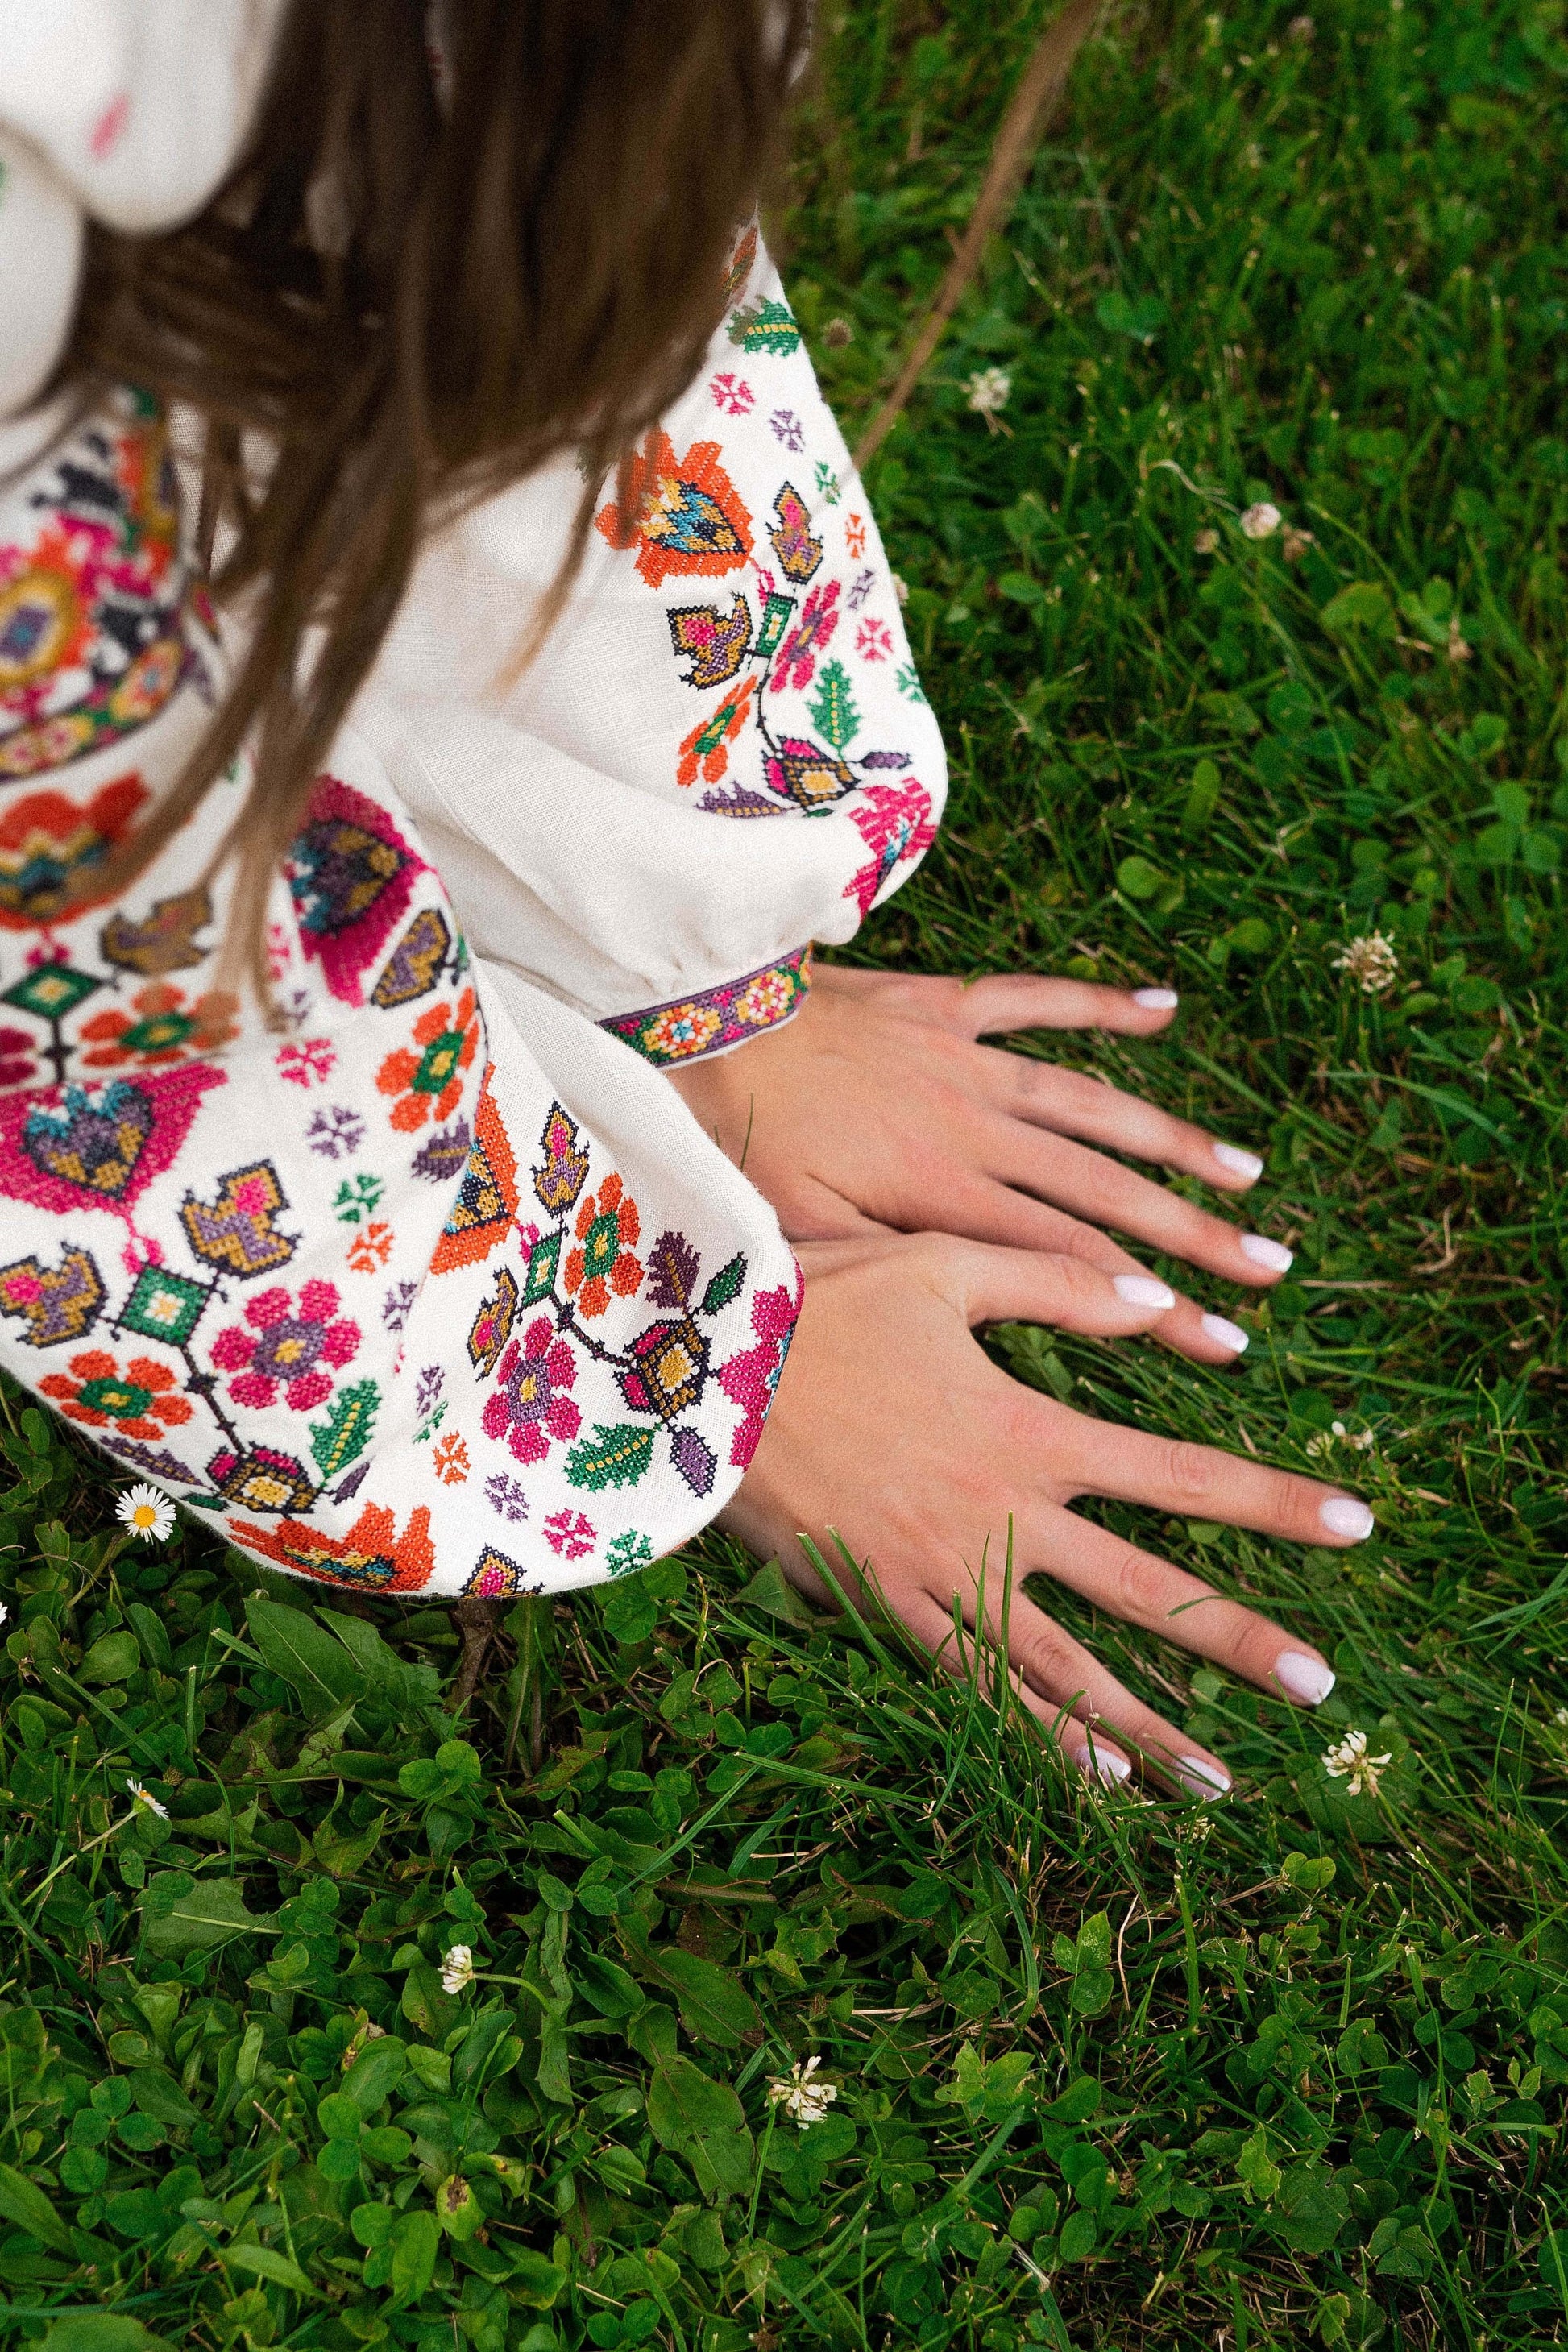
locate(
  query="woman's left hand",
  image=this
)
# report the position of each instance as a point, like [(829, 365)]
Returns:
[(876, 1107)]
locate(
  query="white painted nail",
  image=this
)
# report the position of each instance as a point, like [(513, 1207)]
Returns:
[(1224, 1334), (1142, 1290), (1204, 1780), (1263, 1252), (1303, 1677), (1239, 1162), (1101, 1763), (1344, 1516), (1159, 1000)]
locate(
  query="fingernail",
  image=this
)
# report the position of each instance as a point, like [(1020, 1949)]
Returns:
[(1159, 1000), (1224, 1334), (1204, 1780), (1102, 1764), (1263, 1252), (1239, 1162), (1303, 1677), (1142, 1290), (1344, 1516)]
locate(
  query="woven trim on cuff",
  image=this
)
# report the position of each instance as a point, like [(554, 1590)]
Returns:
[(691, 1027)]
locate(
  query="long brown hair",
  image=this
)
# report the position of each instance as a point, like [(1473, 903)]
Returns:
[(411, 296)]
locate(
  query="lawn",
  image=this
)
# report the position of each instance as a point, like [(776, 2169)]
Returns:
[(1109, 2072)]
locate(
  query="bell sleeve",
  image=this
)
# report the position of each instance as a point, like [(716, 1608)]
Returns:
[(722, 753)]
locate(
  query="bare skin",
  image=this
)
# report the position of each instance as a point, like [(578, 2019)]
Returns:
[(877, 1108), (893, 1428)]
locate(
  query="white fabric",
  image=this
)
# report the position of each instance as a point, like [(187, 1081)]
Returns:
[(424, 1294), (129, 110), (575, 854)]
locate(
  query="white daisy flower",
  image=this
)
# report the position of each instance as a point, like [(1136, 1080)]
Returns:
[(146, 1513), (140, 1796), (1350, 1757), (458, 1968), (803, 2101)]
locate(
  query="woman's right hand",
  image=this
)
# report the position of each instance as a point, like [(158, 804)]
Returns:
[(894, 1431)]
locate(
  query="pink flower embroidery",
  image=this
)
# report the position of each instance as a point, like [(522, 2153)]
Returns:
[(732, 393), (873, 641), (529, 1404), (308, 1064), (751, 1378), (286, 1346), (797, 655), (894, 821), (570, 1534)]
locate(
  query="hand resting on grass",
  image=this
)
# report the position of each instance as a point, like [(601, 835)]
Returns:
[(877, 1108), (893, 1428)]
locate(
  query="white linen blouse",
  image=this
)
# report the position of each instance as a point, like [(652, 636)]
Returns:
[(439, 1289)]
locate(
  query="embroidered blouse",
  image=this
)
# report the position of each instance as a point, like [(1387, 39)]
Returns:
[(441, 1290)]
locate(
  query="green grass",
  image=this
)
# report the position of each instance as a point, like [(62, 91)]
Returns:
[(1111, 2073)]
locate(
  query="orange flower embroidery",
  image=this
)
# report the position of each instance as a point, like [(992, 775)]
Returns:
[(369, 1251), (607, 1226), (432, 1079), (682, 514), (138, 1401), (160, 1027), (707, 745)]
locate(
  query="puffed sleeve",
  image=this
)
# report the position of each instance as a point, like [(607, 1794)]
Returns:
[(722, 753)]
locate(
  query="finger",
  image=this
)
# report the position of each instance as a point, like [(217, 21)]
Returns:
[(1056, 1677), (1064, 1716), (1002, 1003), (981, 1210), (1131, 1465), (1088, 1184), (1013, 1286), (1074, 1103), (1146, 1590)]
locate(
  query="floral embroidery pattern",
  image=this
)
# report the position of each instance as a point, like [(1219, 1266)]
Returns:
[(49, 843), (531, 1404), (720, 1017), (95, 606), (160, 1028), (706, 749), (306, 1287), (141, 1401), (607, 1227), (682, 514), (430, 1081), (284, 1348)]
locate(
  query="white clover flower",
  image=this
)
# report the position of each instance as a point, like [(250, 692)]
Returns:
[(1371, 962), (805, 2102), (1261, 521), (457, 1969), (989, 390), (146, 1513), (901, 589), (1295, 543), (140, 1796), (1561, 1716), (1205, 542), (1350, 1757)]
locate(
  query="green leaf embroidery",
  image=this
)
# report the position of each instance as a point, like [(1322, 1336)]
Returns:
[(357, 1198), (769, 327), (833, 713), (342, 1437), (616, 1456), (541, 1265), (725, 1286)]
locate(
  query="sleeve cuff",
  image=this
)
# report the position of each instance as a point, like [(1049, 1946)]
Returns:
[(694, 1028)]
